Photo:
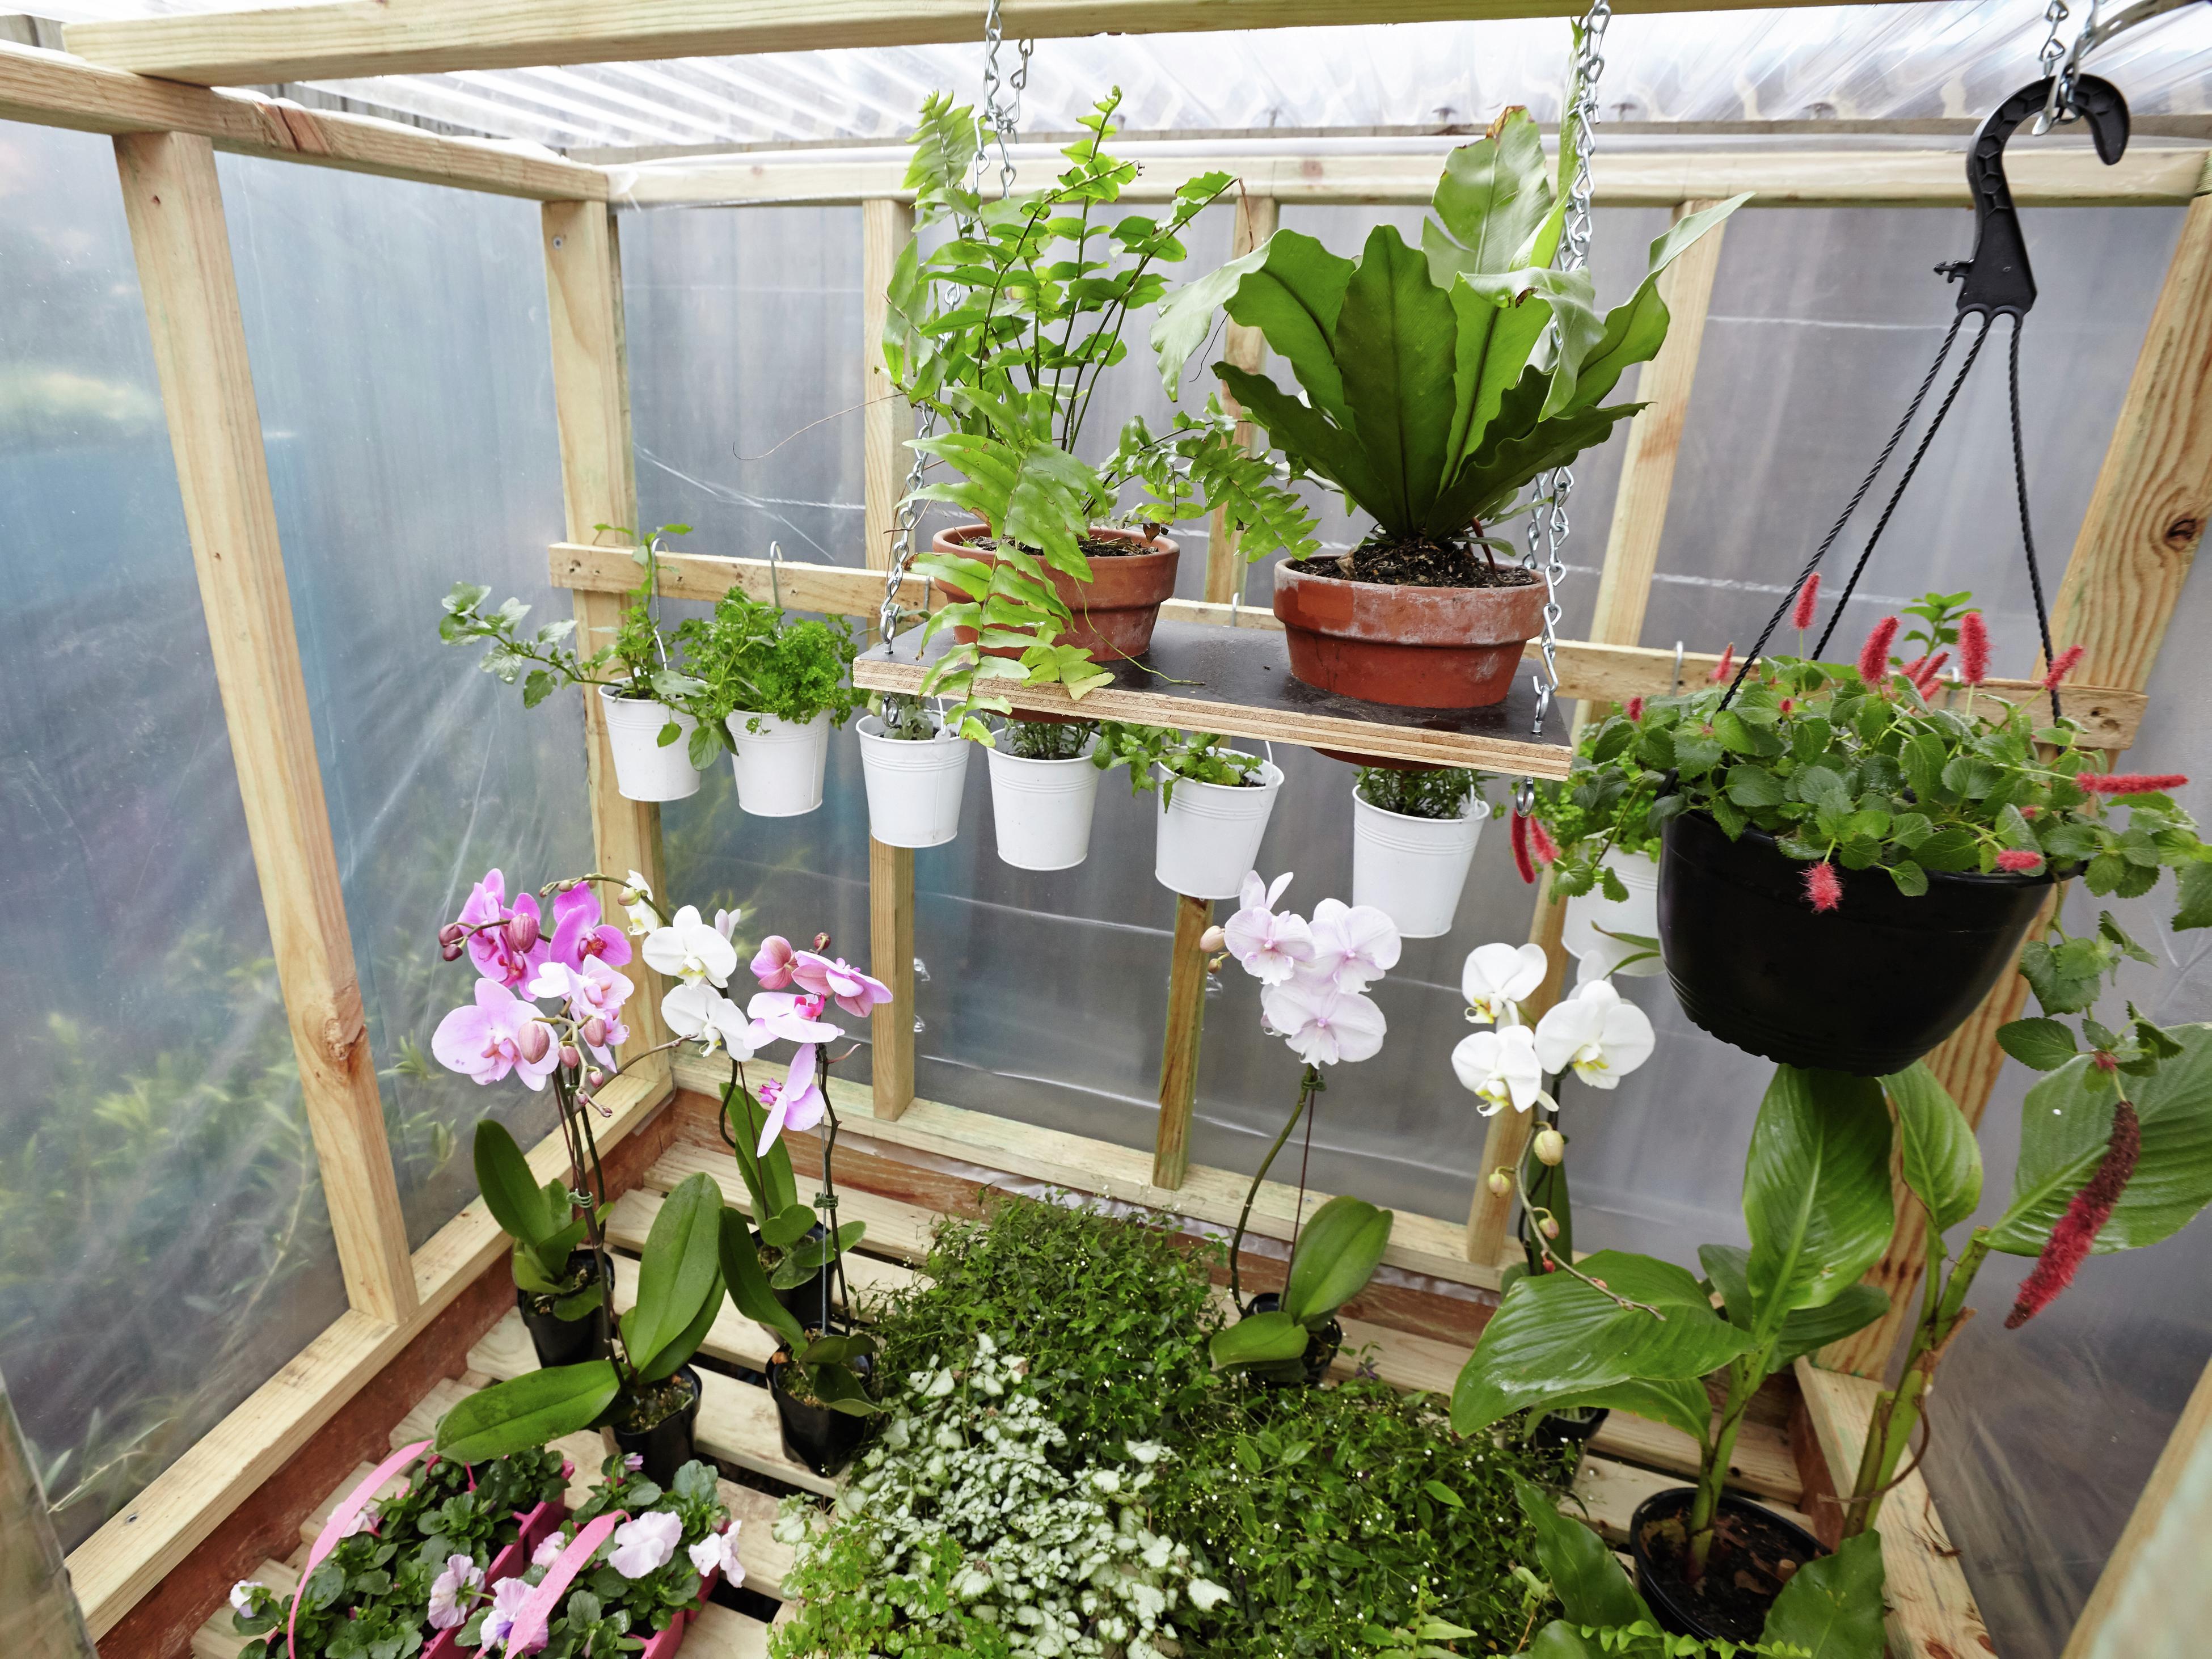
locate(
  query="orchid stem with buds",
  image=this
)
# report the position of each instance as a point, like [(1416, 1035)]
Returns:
[(1309, 1085), (1539, 1215)]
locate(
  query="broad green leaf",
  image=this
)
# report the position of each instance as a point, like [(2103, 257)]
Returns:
[(525, 1412), (1337, 1254), (802, 1261), (1942, 1159), (1290, 288), (1816, 1191), (1808, 1330), (1583, 1572), (523, 1208), (1561, 1640), (788, 1226), (678, 1351), (2043, 1044), (1633, 332), (1395, 351), (1680, 1402), (1258, 1339), (1493, 199), (740, 1261), (679, 1270), (1498, 331), (1303, 432), (2066, 1125), (1727, 1266), (1831, 1607), (1554, 1337), (572, 1308)]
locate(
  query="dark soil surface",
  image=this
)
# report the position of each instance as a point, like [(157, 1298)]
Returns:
[(1419, 562), (655, 1404), (1750, 1563), (1094, 547)]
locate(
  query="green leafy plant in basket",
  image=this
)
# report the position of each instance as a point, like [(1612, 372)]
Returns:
[(1002, 332), (547, 1223), (1158, 758), (751, 661), (1337, 1253)]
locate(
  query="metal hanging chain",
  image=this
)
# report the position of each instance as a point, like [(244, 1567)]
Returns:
[(1548, 522), (2060, 64)]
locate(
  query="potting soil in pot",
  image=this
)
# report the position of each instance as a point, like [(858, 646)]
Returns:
[(1755, 1552), (1419, 564)]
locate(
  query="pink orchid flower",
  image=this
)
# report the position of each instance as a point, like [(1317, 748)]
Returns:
[(853, 991), (1321, 1024), (1353, 945), (580, 935), (792, 1105), (1269, 945), (792, 1017), (492, 952), (597, 992), (496, 1036), (772, 967)]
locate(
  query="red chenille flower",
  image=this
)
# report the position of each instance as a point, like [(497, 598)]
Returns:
[(1636, 708), (2068, 660), (2129, 783), (2084, 1220), (1823, 888), (1541, 844), (1873, 655), (1973, 648), (1520, 848), (2018, 860), (1726, 666), (1808, 600)]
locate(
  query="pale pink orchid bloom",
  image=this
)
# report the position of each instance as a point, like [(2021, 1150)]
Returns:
[(791, 1105), (853, 991), (1321, 1024), (597, 992), (486, 1040), (1353, 945), (490, 949), (772, 964), (726, 922), (1270, 946), (579, 933), (787, 1016), (646, 1544), (704, 1012)]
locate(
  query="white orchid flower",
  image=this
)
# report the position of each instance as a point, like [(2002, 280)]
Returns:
[(1354, 944), (643, 918), (1501, 1068), (691, 950), (1597, 1032), (702, 1011), (1321, 1024), (1270, 946), (1498, 978)]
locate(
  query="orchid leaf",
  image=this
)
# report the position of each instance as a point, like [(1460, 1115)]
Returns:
[(1258, 1339), (677, 1351), (1942, 1162), (739, 1260), (1816, 1191), (1337, 1254), (787, 1225), (679, 1273), (525, 1211), (526, 1412)]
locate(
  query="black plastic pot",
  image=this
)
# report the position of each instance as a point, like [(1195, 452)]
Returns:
[(666, 1446), (804, 1301), (570, 1341), (1867, 988), (1320, 1348), (1660, 1583), (823, 1439), (1573, 1428)]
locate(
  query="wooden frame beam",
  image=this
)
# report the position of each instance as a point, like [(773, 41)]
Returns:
[(1247, 348), (54, 90), (394, 37), (175, 206)]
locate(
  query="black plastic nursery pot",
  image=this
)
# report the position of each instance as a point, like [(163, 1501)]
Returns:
[(1568, 1428), (1867, 988), (1320, 1348), (823, 1439), (667, 1445), (1751, 1542), (803, 1300), (570, 1341)]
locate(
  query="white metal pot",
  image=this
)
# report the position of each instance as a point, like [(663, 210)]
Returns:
[(645, 768), (1042, 809), (914, 787), (1638, 914), (1412, 869), (1209, 834), (780, 766)]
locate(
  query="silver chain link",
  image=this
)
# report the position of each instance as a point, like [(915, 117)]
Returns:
[(1547, 524), (2058, 64)]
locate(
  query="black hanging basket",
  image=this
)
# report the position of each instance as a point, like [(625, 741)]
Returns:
[(1868, 988)]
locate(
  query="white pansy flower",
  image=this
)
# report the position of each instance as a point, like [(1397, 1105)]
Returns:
[(1498, 978), (1597, 1032), (1502, 1069)]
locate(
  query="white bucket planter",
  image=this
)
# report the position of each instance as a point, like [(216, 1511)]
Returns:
[(779, 767), (1209, 834), (914, 788), (1638, 914), (1042, 809), (1410, 869), (645, 769)]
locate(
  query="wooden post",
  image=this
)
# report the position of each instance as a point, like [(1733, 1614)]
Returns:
[(1179, 1053), (886, 423), (1247, 348), (2137, 541), (174, 207), (890, 958), (598, 486)]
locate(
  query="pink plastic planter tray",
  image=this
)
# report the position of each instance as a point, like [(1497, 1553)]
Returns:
[(664, 1645), (511, 1562)]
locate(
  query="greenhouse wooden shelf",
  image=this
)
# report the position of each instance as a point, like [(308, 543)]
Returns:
[(1237, 682)]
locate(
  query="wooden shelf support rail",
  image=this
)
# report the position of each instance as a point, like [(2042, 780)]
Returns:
[(1179, 1050), (1247, 348)]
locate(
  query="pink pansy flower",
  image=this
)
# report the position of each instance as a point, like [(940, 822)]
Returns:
[(772, 964), (461, 1577), (795, 1105), (702, 1011), (548, 1553), (507, 1599), (490, 1039), (1269, 945), (580, 935), (790, 1017), (1321, 1024), (1353, 945), (853, 991), (646, 1544)]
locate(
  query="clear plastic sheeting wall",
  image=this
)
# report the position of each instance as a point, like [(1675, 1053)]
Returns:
[(1043, 995), (164, 1244), (402, 362)]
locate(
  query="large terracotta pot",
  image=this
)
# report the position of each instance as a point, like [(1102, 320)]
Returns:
[(1412, 648), (1115, 611)]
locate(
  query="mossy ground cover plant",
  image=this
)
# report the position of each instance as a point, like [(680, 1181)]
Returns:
[(1285, 1520)]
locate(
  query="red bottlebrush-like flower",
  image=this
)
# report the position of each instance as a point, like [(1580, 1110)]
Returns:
[(1873, 655), (1973, 648), (2068, 660), (1788, 705), (2129, 783), (1808, 600), (1636, 708), (2018, 860), (1726, 666), (1520, 848), (1823, 888), (1541, 844), (1930, 675), (2085, 1218)]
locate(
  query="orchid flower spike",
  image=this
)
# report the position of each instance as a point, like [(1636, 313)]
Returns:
[(1270, 946), (1501, 1069), (1597, 1032), (1498, 978)]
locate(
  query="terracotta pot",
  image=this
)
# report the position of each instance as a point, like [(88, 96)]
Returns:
[(1115, 611), (1411, 647)]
